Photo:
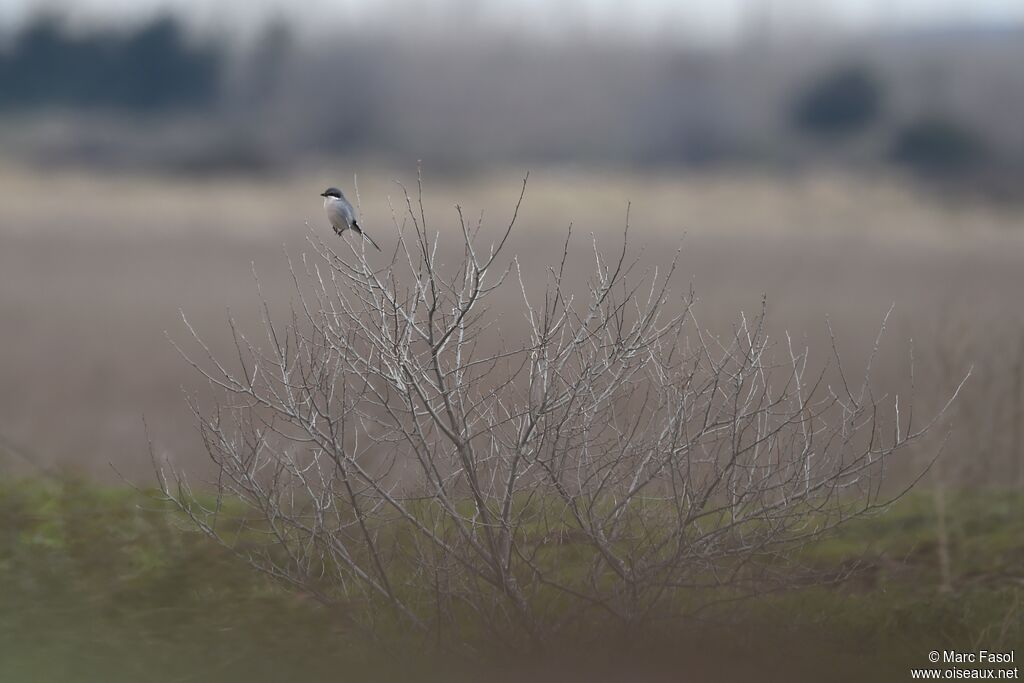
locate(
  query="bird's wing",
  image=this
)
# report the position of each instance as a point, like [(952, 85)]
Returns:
[(349, 210), (341, 215)]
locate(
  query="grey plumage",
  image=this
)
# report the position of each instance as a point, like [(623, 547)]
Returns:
[(342, 214)]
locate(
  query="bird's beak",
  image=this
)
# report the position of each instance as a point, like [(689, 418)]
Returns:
[(323, 194)]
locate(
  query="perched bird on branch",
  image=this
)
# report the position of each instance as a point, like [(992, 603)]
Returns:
[(342, 214)]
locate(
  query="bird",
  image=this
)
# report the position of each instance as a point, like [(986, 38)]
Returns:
[(342, 214)]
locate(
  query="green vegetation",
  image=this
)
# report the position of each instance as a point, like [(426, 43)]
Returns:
[(152, 68), (842, 102), (100, 584), (938, 146)]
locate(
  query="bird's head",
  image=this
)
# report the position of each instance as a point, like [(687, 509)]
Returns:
[(331, 192)]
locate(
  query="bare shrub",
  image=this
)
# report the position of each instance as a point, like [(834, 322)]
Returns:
[(391, 451)]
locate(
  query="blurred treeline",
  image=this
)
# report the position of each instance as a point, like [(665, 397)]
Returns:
[(945, 103), (150, 68)]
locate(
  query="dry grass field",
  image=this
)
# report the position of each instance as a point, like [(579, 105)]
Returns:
[(94, 270)]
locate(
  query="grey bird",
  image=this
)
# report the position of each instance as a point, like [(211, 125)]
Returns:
[(342, 214)]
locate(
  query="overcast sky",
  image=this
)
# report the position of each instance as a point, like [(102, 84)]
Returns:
[(705, 19)]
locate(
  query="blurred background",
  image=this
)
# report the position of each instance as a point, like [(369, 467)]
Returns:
[(838, 157)]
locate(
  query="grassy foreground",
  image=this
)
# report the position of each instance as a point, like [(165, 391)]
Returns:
[(101, 584)]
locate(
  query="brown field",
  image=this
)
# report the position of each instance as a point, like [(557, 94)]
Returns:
[(94, 270)]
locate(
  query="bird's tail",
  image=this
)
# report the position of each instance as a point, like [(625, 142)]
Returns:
[(360, 231)]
